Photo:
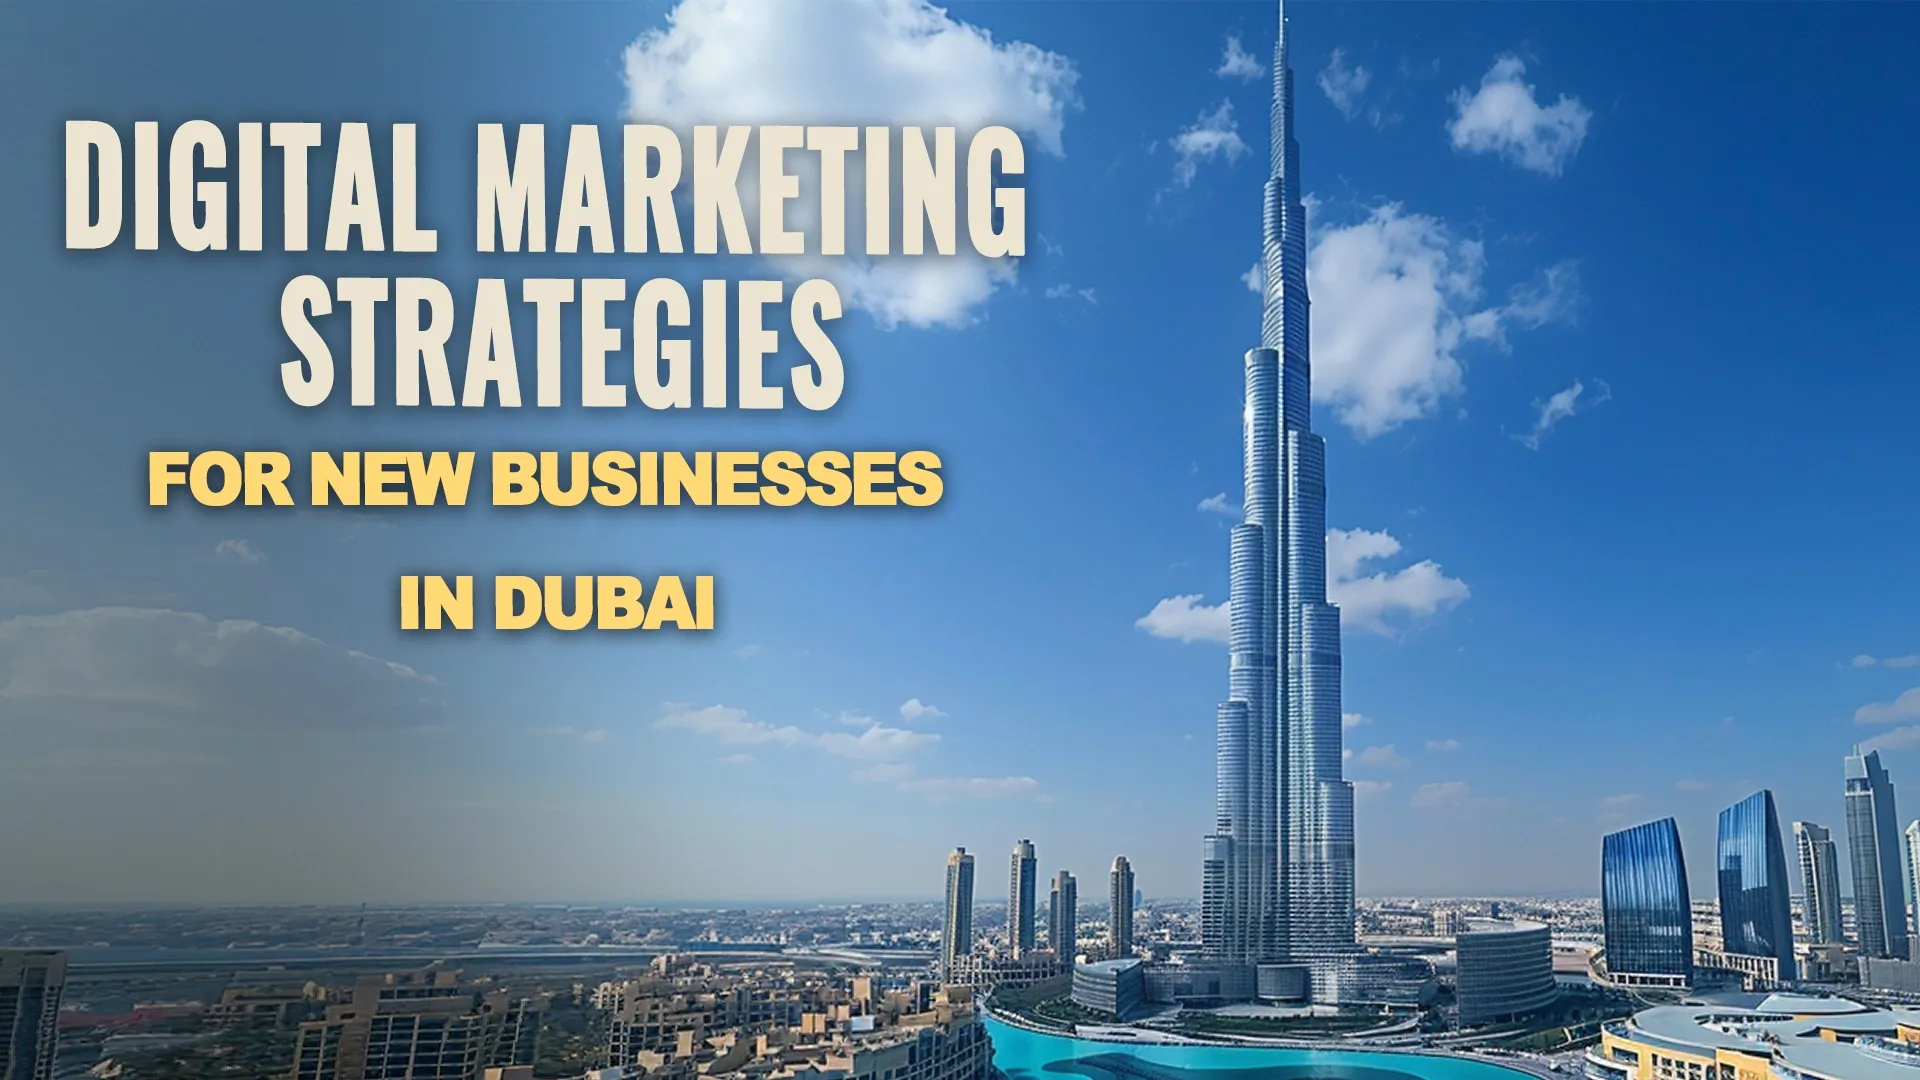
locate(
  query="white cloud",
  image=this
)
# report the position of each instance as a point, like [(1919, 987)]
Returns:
[(1349, 721), (1559, 407), (730, 726), (1866, 661), (1255, 278), (905, 777), (1904, 707), (1213, 135), (1368, 600), (1691, 785), (1442, 746), (875, 743), (1554, 297), (749, 652), (1368, 789), (1617, 809), (1345, 86), (1446, 793), (867, 62), (1069, 292), (952, 789), (1382, 757), (1186, 620), (159, 665), (1238, 63), (1396, 296), (1504, 117), (1900, 738), (915, 709), (737, 759), (886, 772), (1218, 504), (568, 731), (240, 551)]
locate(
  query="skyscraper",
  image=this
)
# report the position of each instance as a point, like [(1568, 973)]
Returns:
[(1278, 875), (1120, 908), (1645, 906), (1873, 847), (1913, 871), (1063, 918), (31, 982), (1022, 883), (956, 932), (1820, 882), (1756, 915)]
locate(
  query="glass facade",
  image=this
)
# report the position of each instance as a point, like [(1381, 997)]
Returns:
[(1755, 916), (1820, 882), (956, 934), (1873, 847), (1284, 810), (31, 982), (1023, 882), (1645, 904)]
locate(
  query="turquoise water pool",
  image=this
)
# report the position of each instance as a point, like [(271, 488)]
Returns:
[(1028, 1055)]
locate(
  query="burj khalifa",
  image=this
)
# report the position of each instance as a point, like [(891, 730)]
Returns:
[(1278, 872)]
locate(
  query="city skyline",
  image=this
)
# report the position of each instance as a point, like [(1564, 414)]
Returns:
[(1537, 366)]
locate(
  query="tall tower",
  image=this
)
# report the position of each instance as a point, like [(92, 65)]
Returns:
[(1120, 909), (1063, 919), (1278, 876), (1873, 845), (1756, 918), (1646, 906), (956, 933), (31, 982), (1023, 881), (1820, 881), (1913, 873)]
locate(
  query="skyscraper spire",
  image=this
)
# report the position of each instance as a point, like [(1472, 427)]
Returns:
[(1283, 222)]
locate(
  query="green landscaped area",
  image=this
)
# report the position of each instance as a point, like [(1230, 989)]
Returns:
[(1343, 1023)]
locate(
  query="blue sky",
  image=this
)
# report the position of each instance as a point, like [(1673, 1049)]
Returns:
[(1566, 613)]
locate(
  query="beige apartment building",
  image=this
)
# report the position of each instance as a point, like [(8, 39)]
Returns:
[(422, 1025)]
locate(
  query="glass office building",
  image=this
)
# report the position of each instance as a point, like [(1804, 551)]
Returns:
[(1755, 916), (1820, 881), (1873, 847), (1645, 905)]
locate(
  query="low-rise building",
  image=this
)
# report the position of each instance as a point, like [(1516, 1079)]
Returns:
[(989, 972), (946, 1042), (1116, 988), (1503, 970), (1784, 1037)]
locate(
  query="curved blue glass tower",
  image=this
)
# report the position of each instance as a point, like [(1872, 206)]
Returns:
[(1756, 918), (1280, 859), (1645, 904)]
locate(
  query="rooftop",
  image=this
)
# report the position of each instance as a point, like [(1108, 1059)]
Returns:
[(1788, 1028)]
